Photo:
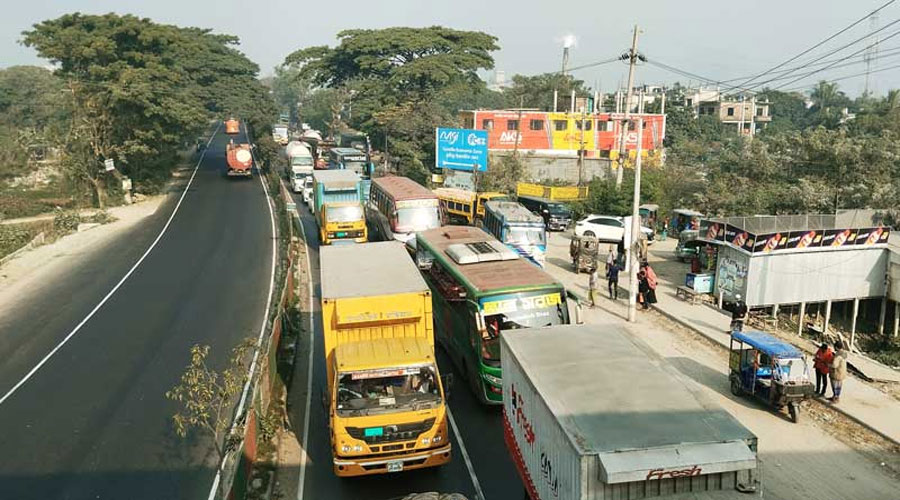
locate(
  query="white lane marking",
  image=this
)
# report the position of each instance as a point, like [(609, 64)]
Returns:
[(262, 329), (96, 308), (479, 495), (304, 459)]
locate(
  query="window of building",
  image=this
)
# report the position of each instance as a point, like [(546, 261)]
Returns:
[(690, 102), (760, 111), (469, 122), (487, 124), (512, 124), (587, 124), (536, 125), (560, 125), (730, 111)]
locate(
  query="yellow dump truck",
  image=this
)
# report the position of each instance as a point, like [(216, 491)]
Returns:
[(385, 396)]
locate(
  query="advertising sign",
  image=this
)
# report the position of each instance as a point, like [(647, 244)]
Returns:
[(459, 180), (461, 149), (804, 239)]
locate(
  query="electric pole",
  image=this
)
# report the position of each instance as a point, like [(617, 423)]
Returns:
[(633, 245), (581, 152), (632, 61)]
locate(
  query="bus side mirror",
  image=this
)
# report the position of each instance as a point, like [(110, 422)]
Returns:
[(579, 311)]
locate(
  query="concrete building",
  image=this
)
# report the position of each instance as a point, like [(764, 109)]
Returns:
[(746, 113)]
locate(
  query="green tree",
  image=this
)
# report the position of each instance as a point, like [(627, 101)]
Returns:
[(141, 90), (537, 91)]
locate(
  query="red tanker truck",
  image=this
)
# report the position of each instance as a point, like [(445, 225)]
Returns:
[(239, 159)]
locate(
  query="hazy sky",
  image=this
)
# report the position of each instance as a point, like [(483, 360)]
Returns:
[(717, 39)]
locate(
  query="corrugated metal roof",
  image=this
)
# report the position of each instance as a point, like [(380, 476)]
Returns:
[(485, 276), (368, 270), (611, 392)]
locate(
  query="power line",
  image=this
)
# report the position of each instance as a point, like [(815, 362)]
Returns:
[(591, 65), (892, 35), (807, 51), (882, 54), (847, 77), (854, 42)]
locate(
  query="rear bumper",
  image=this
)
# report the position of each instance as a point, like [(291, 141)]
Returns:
[(239, 173), (379, 465)]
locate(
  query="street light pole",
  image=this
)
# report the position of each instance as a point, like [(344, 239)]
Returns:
[(633, 245)]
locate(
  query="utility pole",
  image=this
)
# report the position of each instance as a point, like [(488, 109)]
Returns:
[(581, 152), (518, 127), (633, 245), (632, 61)]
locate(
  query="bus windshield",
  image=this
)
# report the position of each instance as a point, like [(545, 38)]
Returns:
[(356, 166), (526, 236), (374, 392), (345, 213), (414, 219), (516, 311)]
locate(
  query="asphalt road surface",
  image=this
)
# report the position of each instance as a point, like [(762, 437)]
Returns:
[(480, 432), (93, 421)]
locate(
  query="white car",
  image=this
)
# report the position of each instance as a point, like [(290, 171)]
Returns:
[(607, 228), (307, 189)]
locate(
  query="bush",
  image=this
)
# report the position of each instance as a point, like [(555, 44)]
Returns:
[(13, 237), (65, 222)]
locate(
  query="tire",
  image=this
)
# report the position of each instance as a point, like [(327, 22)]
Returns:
[(588, 233), (794, 411), (736, 386)]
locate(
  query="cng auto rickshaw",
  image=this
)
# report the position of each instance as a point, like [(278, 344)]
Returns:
[(683, 220), (770, 370), (688, 245), (584, 251)]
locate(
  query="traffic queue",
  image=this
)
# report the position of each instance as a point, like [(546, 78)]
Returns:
[(397, 279)]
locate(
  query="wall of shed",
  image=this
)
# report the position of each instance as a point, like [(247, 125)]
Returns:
[(894, 276), (817, 276)]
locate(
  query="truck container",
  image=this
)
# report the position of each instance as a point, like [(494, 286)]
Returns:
[(385, 396), (337, 207), (592, 413), (516, 227), (239, 160), (300, 161), (232, 126)]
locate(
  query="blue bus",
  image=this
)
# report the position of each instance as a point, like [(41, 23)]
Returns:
[(517, 228)]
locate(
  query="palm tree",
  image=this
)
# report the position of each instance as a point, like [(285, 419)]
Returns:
[(892, 100), (825, 94)]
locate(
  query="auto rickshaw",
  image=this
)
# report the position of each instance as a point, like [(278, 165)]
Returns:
[(770, 370), (688, 245), (684, 219), (584, 251), (649, 213)]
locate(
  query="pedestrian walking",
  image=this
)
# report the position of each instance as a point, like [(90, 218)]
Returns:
[(612, 281), (822, 364), (611, 257), (838, 371), (738, 314), (593, 284), (652, 282)]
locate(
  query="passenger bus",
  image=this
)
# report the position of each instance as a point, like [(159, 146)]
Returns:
[(349, 159), (480, 288), (465, 207), (516, 227), (399, 207)]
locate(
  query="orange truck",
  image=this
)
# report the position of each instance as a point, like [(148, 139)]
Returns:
[(239, 159), (232, 126)]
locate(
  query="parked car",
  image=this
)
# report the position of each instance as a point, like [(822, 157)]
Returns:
[(606, 228)]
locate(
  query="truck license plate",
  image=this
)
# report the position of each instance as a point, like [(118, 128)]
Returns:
[(395, 466)]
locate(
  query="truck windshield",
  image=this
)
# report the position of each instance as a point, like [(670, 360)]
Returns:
[(515, 311), (374, 392), (414, 219), (558, 209), (356, 166), (301, 161), (526, 236), (346, 213)]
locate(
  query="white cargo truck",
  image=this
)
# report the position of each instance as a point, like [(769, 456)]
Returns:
[(592, 413), (300, 160)]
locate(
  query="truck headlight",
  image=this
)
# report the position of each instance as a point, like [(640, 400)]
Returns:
[(492, 379), (437, 439), (426, 441), (345, 448), (357, 448)]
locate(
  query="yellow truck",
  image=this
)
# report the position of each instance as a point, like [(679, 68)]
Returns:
[(337, 196), (385, 398), (465, 207)]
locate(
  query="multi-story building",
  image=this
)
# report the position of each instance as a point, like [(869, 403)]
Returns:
[(746, 113), (546, 133)]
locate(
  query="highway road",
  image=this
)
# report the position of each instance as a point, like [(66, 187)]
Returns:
[(93, 421), (480, 432)]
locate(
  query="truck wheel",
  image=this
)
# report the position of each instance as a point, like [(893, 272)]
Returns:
[(794, 411)]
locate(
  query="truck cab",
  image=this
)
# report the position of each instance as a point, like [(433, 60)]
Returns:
[(337, 207), (386, 403)]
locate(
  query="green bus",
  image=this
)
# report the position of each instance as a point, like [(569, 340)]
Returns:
[(480, 287)]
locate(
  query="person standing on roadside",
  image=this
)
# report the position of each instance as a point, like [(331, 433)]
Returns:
[(822, 364), (612, 281), (838, 371), (593, 284)]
